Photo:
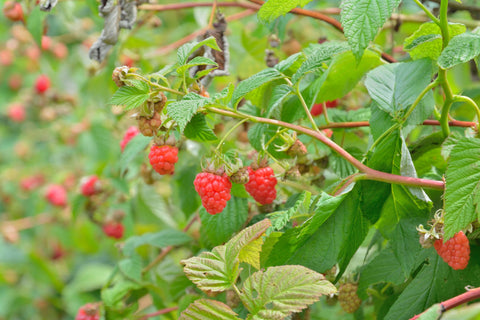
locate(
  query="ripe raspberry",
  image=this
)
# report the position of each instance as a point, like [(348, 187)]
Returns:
[(90, 185), (13, 11), (331, 104), (163, 158), (129, 134), (88, 312), (149, 126), (42, 84), (113, 229), (261, 185), (214, 190), (56, 195), (455, 252), (348, 298), (16, 112)]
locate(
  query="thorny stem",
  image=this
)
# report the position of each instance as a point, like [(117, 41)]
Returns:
[(429, 14), (370, 174), (357, 124)]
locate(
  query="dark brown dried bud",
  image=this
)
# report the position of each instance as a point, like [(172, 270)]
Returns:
[(297, 149), (149, 126)]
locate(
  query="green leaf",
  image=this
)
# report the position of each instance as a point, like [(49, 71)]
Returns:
[(462, 186), (160, 239), (426, 41), (361, 20), (273, 9), (187, 49), (281, 218), (183, 111), (320, 54), (133, 149), (198, 129), (246, 236), (35, 24), (280, 93), (156, 204), (89, 277), (396, 86), (197, 61), (460, 49), (214, 271), (294, 61), (113, 296), (280, 291), (344, 73), (131, 268), (131, 97), (259, 134), (203, 309), (254, 82), (220, 227)]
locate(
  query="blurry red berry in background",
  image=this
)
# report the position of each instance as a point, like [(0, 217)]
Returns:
[(328, 132), (129, 134), (60, 50), (88, 312), (317, 108), (46, 42), (33, 182), (16, 112), (56, 195), (15, 82), (13, 11), (42, 84), (90, 185), (113, 229), (6, 57)]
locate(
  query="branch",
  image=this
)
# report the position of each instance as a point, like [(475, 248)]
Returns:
[(459, 6), (370, 174), (159, 312)]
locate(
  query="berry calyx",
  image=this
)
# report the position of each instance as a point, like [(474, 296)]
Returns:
[(163, 158), (90, 185), (16, 112), (89, 311), (261, 185), (455, 251), (42, 84), (129, 134), (113, 229), (56, 195), (214, 190), (348, 298)]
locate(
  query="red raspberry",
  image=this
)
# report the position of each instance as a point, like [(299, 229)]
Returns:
[(88, 312), (13, 11), (46, 43), (348, 298), (261, 185), (129, 134), (455, 252), (331, 104), (328, 132), (163, 158), (214, 190), (33, 182), (90, 185), (56, 195), (16, 112), (42, 84), (113, 229), (317, 108)]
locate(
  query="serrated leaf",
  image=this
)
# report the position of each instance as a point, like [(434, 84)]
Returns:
[(197, 61), (214, 271), (254, 82), (281, 218), (396, 86), (132, 149), (320, 54), (273, 9), (460, 49), (292, 61), (219, 228), (34, 24), (154, 202), (203, 309), (280, 93), (131, 97), (183, 111), (131, 268), (280, 291), (160, 239), (187, 49), (462, 186), (246, 236), (426, 41), (361, 20), (198, 129), (250, 253)]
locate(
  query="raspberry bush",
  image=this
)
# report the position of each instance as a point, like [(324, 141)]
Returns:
[(239, 159)]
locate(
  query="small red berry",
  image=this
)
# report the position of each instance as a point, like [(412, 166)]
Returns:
[(317, 109), (88, 312), (31, 183), (331, 104), (6, 57), (56, 195), (16, 112), (13, 11), (113, 229), (46, 42), (214, 190), (42, 84), (90, 185), (129, 134), (455, 252), (261, 185), (163, 158), (328, 132)]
